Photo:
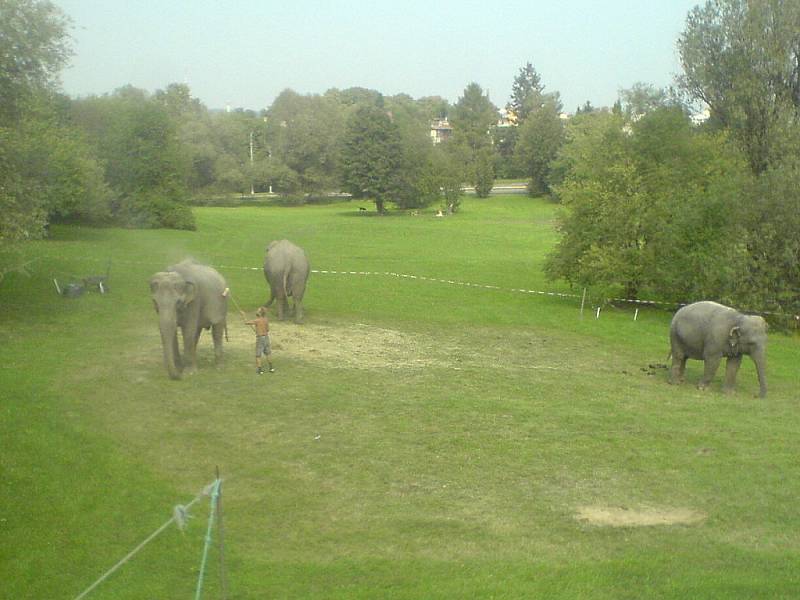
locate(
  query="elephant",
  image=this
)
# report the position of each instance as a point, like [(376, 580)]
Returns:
[(286, 269), (193, 297), (708, 331)]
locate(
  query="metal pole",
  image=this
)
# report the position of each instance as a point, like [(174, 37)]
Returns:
[(252, 190)]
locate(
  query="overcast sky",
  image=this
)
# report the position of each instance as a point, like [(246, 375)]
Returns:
[(244, 53)]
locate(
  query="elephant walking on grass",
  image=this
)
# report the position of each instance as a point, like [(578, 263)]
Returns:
[(286, 269), (193, 297), (708, 331)]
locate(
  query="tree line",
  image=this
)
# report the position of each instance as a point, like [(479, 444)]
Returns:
[(654, 203), (658, 206), (135, 158)]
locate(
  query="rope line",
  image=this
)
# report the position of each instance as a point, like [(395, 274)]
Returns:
[(451, 282), (178, 516), (207, 545)]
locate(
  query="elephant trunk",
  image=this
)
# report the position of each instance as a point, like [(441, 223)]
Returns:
[(760, 359), (169, 342)]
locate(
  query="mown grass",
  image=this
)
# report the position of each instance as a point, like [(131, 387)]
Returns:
[(438, 444)]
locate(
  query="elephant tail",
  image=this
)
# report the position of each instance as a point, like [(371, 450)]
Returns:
[(286, 291), (226, 332)]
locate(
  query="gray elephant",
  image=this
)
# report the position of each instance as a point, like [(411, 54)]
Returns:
[(286, 269), (708, 331), (193, 297)]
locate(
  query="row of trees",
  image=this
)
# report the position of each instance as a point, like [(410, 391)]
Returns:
[(654, 204), (135, 158), (658, 206)]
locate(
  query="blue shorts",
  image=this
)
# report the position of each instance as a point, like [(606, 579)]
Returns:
[(262, 346)]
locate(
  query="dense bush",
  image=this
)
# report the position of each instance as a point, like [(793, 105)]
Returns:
[(650, 208)]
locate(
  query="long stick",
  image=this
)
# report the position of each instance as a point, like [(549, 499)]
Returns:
[(239, 308)]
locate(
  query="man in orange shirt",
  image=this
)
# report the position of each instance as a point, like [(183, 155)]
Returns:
[(262, 338)]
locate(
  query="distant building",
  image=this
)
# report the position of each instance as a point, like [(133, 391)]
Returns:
[(441, 130), (508, 118), (701, 117)]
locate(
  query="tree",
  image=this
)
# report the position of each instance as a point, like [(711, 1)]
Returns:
[(440, 181), (771, 244), (483, 172), (34, 47), (372, 157), (742, 59), (145, 165), (539, 140), (473, 119), (231, 136), (434, 107), (526, 93), (46, 170), (650, 206), (504, 140), (304, 133), (641, 99)]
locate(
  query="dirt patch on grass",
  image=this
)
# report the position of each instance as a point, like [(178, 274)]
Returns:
[(362, 346), (613, 516), (354, 346)]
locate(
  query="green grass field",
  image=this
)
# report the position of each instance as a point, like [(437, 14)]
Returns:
[(419, 439)]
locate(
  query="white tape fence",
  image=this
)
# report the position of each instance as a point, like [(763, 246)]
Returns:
[(408, 276)]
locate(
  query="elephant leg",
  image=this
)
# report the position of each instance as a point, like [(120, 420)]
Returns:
[(278, 307), (678, 368), (710, 369), (283, 308), (217, 331), (731, 369), (298, 311), (176, 356), (190, 337)]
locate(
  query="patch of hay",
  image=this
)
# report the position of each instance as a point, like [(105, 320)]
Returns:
[(612, 516), (354, 346)]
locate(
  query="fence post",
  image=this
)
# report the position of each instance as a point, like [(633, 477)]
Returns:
[(583, 301)]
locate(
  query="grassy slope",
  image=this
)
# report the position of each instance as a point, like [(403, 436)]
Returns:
[(458, 475)]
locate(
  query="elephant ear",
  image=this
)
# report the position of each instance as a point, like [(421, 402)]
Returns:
[(189, 290)]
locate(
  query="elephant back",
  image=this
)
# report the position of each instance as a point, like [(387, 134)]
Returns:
[(210, 288)]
